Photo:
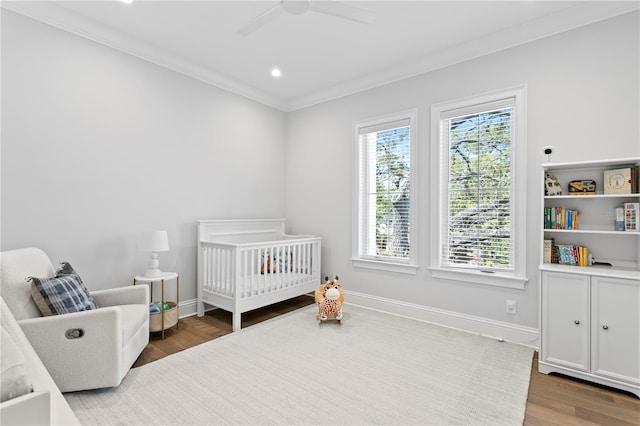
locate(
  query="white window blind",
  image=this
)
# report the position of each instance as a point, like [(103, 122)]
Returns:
[(477, 194), (384, 190), (478, 189)]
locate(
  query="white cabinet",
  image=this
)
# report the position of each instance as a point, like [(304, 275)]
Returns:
[(590, 328), (590, 315), (565, 320), (615, 328)]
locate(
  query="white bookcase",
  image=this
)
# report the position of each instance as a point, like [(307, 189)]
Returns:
[(590, 315)]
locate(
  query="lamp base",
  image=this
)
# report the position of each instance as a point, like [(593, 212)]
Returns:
[(153, 273), (154, 263)]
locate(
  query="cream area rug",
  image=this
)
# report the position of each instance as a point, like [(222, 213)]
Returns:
[(374, 368)]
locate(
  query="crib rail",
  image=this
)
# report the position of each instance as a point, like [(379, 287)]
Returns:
[(240, 271)]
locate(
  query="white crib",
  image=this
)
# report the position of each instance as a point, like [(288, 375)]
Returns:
[(248, 264)]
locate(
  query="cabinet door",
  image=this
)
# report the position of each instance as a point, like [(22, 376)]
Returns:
[(616, 328), (565, 320)]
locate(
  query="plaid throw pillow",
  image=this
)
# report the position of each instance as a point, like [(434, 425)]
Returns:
[(62, 294)]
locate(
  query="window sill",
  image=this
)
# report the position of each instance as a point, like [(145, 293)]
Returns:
[(478, 277), (403, 268)]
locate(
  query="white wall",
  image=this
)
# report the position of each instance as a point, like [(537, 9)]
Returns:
[(582, 98), (98, 145)]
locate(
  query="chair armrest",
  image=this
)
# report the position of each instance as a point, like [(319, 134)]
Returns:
[(136, 294), (103, 325), (97, 352)]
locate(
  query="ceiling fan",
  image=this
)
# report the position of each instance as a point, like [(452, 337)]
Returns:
[(298, 7)]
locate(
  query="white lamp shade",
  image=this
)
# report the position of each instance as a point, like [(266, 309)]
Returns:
[(154, 241)]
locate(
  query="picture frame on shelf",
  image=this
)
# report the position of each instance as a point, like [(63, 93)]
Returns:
[(619, 181)]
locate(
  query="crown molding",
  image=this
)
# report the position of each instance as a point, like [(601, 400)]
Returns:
[(69, 21), (569, 19), (583, 13)]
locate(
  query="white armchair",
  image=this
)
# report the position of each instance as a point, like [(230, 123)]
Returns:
[(111, 337)]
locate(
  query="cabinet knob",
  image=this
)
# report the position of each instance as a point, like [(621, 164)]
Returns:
[(605, 327), (576, 322)]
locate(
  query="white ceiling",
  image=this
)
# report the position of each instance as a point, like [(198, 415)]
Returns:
[(321, 57)]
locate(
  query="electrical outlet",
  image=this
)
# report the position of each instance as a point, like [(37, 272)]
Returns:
[(511, 306)]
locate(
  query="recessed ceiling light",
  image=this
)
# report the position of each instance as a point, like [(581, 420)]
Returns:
[(127, 1), (276, 73)]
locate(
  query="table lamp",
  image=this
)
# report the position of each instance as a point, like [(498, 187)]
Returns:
[(154, 241)]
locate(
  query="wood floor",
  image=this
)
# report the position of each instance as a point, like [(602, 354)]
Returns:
[(552, 400)]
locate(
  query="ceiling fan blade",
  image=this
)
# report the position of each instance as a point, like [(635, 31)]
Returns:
[(262, 19), (342, 10)]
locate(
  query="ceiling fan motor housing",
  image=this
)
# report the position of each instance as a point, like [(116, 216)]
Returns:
[(295, 7)]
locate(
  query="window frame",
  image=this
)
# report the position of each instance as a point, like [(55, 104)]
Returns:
[(409, 265), (439, 172)]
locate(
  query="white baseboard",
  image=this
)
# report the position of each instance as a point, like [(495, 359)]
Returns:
[(487, 327), (497, 329), (188, 308)]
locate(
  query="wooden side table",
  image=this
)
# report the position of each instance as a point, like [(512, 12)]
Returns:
[(166, 276)]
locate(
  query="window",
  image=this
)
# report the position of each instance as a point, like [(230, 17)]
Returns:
[(384, 201), (479, 226)]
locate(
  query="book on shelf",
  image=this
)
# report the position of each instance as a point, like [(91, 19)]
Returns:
[(560, 218), (619, 222), (631, 216), (573, 255), (548, 244), (621, 181)]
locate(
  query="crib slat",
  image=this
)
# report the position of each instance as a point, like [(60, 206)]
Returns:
[(271, 265), (304, 258), (284, 265), (229, 278), (250, 271), (295, 265), (238, 277), (244, 272), (217, 271), (289, 257), (279, 262), (206, 273), (255, 270), (245, 288), (224, 272), (262, 257), (239, 288), (223, 265), (212, 270)]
